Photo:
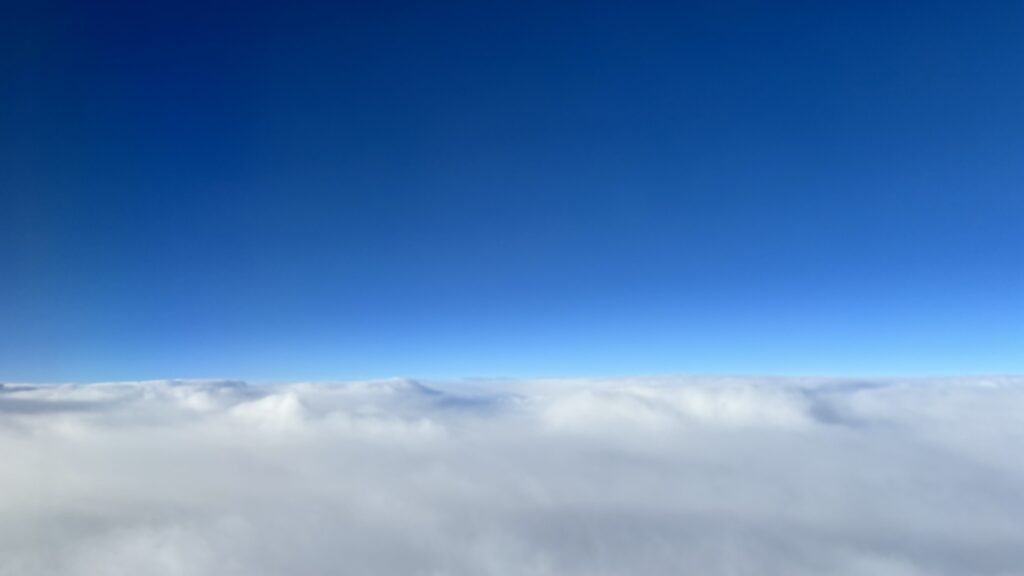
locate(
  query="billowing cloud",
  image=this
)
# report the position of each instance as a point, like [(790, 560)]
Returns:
[(651, 476)]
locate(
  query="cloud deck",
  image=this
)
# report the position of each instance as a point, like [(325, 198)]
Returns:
[(655, 476)]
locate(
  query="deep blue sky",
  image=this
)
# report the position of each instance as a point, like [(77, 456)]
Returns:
[(210, 189)]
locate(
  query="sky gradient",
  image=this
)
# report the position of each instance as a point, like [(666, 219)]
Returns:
[(315, 191)]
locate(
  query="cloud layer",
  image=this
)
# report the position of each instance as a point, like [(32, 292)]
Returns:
[(652, 476)]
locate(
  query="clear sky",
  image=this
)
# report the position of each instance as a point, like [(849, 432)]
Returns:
[(296, 190)]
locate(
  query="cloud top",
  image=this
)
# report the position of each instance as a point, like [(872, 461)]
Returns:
[(655, 476)]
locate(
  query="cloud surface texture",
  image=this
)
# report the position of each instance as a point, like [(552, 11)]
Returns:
[(646, 476)]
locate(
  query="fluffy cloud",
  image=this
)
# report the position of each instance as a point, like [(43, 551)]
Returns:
[(654, 476)]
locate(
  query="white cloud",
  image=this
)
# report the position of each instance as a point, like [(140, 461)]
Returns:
[(653, 476)]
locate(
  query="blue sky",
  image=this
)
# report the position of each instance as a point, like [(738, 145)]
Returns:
[(319, 191)]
